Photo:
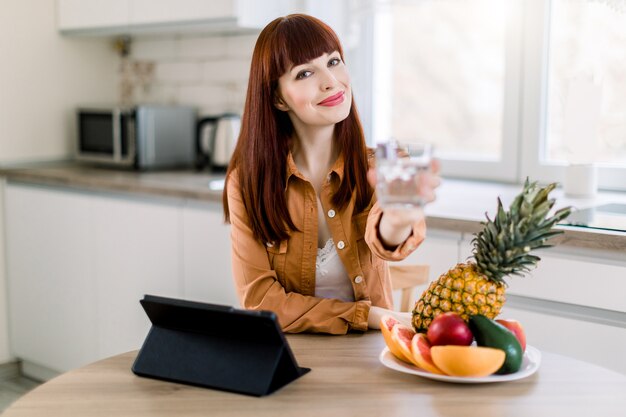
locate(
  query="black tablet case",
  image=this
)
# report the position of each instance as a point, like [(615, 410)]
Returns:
[(215, 346)]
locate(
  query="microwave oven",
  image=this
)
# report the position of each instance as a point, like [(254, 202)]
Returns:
[(140, 137)]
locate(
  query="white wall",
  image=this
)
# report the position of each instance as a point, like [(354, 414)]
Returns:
[(210, 72), (43, 76)]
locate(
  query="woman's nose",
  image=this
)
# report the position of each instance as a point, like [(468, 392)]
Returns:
[(328, 80)]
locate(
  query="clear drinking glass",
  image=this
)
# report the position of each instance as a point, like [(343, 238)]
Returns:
[(400, 168)]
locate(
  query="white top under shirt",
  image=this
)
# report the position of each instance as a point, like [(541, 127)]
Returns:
[(331, 278)]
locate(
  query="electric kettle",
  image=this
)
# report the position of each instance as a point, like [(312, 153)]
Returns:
[(216, 140)]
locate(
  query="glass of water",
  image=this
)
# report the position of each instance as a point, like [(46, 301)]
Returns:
[(400, 169)]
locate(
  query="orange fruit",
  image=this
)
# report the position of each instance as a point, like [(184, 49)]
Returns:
[(467, 361), (420, 349), (386, 325), (402, 335)]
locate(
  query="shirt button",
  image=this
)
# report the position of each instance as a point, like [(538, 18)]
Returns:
[(341, 244), (331, 213), (358, 279)]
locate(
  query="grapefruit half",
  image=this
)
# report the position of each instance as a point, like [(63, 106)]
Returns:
[(402, 335), (386, 325), (420, 349)]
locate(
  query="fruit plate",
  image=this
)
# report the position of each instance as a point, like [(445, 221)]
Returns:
[(530, 364)]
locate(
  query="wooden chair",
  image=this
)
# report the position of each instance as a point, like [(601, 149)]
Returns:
[(406, 278)]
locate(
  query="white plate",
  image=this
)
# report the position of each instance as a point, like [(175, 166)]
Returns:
[(530, 364)]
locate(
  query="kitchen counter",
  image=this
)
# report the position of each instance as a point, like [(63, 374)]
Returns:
[(186, 184), (460, 206)]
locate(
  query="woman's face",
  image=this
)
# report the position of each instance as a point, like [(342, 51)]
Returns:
[(316, 93)]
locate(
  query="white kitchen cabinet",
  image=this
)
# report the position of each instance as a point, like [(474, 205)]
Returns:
[(575, 278), (76, 15), (79, 262), (137, 250), (239, 13), (207, 267), (143, 12), (94, 17), (588, 341), (51, 282), (589, 278)]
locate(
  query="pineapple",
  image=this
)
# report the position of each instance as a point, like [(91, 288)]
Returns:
[(502, 248)]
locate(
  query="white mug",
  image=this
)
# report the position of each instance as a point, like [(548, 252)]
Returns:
[(581, 180)]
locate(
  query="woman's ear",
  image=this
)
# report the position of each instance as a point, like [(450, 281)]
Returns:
[(279, 103)]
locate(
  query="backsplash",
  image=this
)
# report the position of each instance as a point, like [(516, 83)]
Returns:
[(209, 72)]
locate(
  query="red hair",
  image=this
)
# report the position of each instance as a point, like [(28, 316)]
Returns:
[(260, 157)]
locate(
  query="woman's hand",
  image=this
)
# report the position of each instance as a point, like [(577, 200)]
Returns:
[(376, 313), (396, 223)]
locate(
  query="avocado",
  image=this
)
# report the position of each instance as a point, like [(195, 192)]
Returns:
[(489, 333)]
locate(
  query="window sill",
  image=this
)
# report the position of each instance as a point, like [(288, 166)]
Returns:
[(461, 206)]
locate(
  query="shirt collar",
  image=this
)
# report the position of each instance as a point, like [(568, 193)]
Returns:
[(338, 167), (292, 169)]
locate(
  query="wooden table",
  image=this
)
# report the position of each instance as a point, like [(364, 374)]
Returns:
[(346, 380)]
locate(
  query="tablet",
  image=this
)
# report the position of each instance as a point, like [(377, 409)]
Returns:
[(215, 346)]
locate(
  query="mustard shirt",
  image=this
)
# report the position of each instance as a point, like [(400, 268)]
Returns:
[(280, 276)]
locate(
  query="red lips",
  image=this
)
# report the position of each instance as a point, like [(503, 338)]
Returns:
[(333, 100)]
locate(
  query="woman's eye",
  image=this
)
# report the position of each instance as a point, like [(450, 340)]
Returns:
[(303, 74), (333, 62)]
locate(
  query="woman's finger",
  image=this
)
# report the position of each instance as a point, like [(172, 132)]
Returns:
[(435, 166), (371, 177)]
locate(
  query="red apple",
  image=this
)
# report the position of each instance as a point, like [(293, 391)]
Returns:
[(449, 329), (517, 329)]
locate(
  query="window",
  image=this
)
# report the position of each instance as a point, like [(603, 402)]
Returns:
[(586, 87), (453, 71), (504, 89), (448, 75)]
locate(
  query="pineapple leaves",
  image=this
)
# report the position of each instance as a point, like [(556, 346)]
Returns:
[(501, 214), (504, 244)]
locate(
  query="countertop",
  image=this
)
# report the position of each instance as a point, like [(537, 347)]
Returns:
[(460, 205), (186, 184)]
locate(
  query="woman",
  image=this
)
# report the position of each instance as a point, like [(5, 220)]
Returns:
[(308, 240)]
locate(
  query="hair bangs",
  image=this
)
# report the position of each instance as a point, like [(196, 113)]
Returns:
[(302, 39)]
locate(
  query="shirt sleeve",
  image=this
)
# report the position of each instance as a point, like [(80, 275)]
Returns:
[(259, 289), (372, 237)]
